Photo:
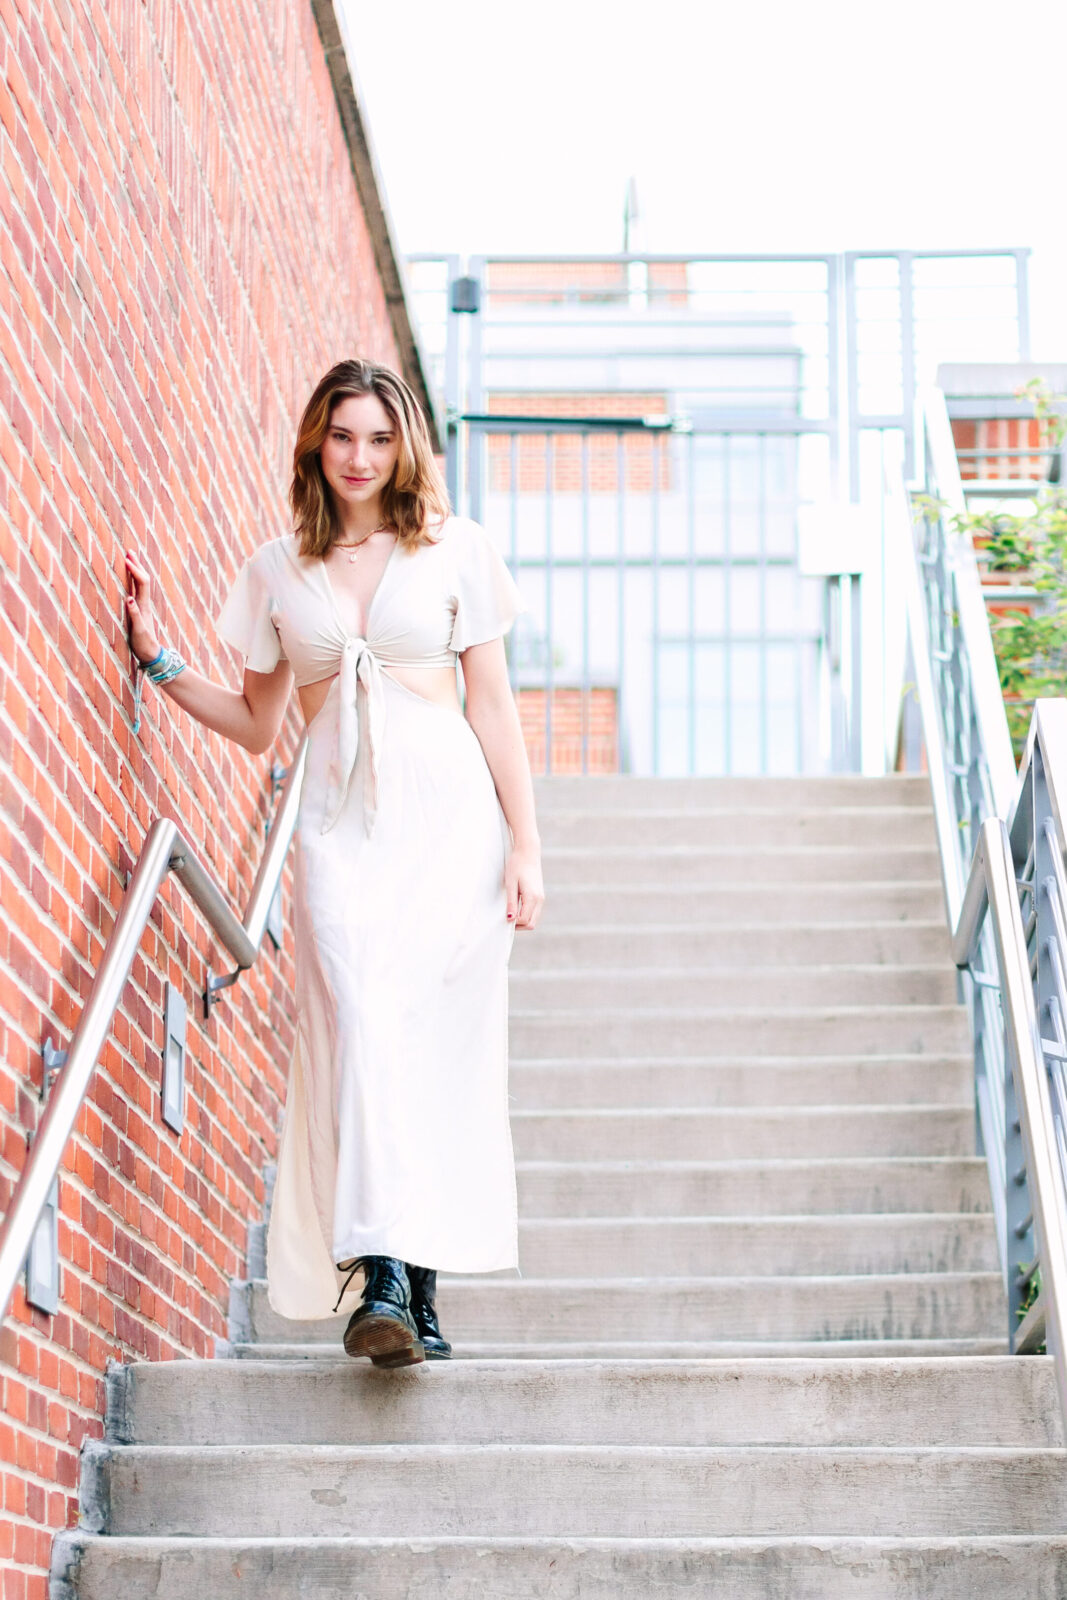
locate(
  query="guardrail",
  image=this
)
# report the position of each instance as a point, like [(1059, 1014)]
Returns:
[(1001, 842), (165, 850)]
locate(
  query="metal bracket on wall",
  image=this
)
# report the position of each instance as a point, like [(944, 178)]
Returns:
[(54, 1062), (42, 1258), (213, 988)]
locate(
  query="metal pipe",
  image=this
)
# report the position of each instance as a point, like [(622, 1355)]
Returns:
[(164, 850), (205, 894), (61, 1113), (971, 608), (994, 861), (283, 826), (899, 522)]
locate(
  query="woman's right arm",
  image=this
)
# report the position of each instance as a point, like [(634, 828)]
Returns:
[(250, 716)]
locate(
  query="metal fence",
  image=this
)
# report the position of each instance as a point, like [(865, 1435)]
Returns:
[(658, 444), (670, 629)]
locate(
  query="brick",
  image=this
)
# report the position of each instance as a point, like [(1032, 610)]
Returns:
[(149, 362)]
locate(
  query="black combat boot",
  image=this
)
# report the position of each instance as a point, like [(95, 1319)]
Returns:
[(423, 1281), (382, 1326)]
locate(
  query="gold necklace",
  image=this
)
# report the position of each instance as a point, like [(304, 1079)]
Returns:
[(357, 547)]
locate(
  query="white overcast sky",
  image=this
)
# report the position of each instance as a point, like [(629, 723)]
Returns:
[(759, 125)]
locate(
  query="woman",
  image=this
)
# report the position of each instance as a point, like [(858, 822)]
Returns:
[(416, 858)]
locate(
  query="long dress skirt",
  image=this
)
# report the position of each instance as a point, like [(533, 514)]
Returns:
[(396, 1139)]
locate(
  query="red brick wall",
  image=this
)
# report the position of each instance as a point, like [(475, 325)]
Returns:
[(554, 282), (183, 255), (595, 461), (514, 283), (1021, 434), (574, 711)]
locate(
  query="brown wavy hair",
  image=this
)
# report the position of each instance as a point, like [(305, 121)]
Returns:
[(415, 495)]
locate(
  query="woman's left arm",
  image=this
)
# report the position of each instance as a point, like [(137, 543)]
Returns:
[(494, 716)]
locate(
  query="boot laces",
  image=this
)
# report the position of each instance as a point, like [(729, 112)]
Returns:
[(356, 1267)]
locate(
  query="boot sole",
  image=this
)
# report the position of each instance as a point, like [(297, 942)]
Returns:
[(387, 1340)]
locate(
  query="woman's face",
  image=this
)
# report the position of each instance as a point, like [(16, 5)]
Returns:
[(359, 451)]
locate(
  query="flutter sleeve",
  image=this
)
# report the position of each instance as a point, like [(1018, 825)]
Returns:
[(487, 599), (245, 620)]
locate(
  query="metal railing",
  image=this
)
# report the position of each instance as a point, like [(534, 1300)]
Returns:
[(862, 330), (1001, 840), (673, 628), (165, 850)]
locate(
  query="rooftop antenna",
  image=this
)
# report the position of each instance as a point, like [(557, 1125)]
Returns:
[(630, 213)]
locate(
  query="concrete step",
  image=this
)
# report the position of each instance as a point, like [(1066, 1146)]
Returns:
[(891, 1306), (744, 1081), (913, 1402), (416, 1491), (751, 828), (773, 1030), (623, 792), (645, 862), (689, 987), (708, 905), (666, 1350), (707, 944), (1008, 1567), (773, 1132), (603, 1247), (752, 1188)]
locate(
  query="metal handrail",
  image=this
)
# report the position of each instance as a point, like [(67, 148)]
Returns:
[(991, 892), (943, 479), (165, 849), (1000, 837)]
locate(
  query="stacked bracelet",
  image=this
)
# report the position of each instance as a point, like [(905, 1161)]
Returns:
[(165, 666), (161, 669)]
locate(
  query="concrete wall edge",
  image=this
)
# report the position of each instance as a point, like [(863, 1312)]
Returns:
[(371, 189)]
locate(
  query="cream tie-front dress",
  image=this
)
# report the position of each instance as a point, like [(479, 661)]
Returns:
[(396, 1139)]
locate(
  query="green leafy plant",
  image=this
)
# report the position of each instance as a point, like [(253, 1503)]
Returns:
[(1029, 1299), (1029, 548)]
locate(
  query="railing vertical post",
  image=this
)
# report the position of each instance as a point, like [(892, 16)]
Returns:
[(550, 621), (587, 687), (476, 443), (1040, 810), (1017, 1236), (1022, 302)]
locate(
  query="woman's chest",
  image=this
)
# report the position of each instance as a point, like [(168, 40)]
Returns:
[(354, 578), (404, 607)]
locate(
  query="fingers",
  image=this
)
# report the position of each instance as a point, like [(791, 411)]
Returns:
[(137, 574), (529, 909), (511, 884)]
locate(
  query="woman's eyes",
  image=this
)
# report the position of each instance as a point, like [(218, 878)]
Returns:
[(380, 438)]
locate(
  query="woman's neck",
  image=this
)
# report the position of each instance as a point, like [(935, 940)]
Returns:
[(356, 522)]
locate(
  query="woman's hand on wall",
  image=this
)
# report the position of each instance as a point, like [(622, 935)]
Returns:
[(144, 632), (250, 716)]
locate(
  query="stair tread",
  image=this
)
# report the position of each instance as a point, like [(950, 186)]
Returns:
[(658, 1349), (942, 1411)]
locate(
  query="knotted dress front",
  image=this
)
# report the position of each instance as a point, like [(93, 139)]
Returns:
[(396, 1139)]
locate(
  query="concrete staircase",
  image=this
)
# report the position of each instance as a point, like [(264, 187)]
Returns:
[(759, 1347)]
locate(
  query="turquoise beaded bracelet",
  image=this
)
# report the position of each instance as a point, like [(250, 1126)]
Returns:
[(161, 669)]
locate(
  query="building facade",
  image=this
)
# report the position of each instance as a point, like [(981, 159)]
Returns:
[(191, 234)]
